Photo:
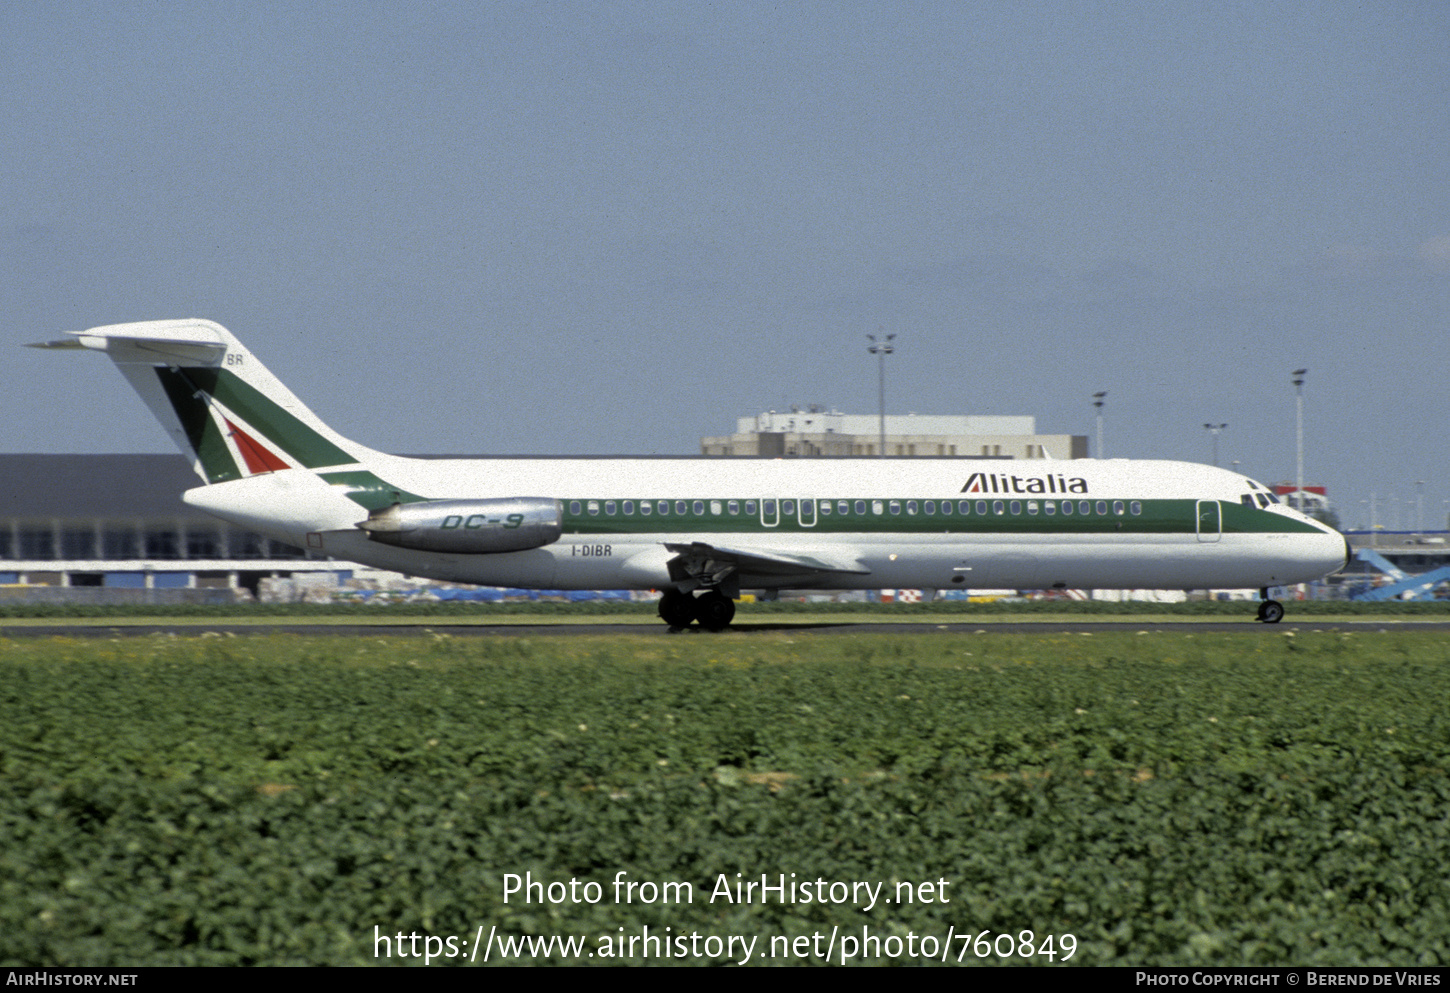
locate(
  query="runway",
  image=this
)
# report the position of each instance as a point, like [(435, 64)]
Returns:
[(46, 628)]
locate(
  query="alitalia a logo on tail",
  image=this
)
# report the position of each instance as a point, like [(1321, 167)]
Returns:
[(996, 482)]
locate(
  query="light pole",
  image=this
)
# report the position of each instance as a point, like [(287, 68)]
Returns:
[(881, 349), (1299, 438), (1098, 403), (1214, 429)]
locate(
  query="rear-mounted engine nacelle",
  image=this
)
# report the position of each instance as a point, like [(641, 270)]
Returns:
[(468, 526)]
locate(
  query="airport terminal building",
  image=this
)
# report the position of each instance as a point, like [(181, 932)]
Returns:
[(817, 433), (117, 522)]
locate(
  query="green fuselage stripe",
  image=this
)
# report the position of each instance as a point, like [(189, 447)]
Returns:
[(1154, 517), (368, 490)]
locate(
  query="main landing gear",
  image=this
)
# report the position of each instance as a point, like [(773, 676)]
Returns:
[(1270, 611), (713, 609)]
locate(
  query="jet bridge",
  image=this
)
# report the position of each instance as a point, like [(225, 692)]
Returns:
[(1404, 586)]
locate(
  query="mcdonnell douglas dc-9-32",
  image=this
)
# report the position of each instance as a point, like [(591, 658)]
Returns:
[(702, 529)]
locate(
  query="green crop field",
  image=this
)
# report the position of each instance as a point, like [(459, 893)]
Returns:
[(1265, 797)]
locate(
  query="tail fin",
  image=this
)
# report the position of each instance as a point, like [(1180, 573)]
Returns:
[(225, 411)]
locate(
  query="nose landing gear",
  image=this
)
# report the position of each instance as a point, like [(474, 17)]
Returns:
[(1270, 611)]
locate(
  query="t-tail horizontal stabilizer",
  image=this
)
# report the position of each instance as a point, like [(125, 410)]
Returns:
[(222, 407)]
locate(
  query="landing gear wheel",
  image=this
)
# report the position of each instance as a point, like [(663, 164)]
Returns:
[(677, 609), (1271, 611), (715, 611)]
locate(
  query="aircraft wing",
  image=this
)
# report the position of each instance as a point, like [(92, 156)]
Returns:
[(712, 564)]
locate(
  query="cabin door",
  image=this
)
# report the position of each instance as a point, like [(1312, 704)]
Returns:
[(1210, 520)]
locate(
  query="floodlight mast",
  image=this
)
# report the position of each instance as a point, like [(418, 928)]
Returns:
[(1214, 429), (1299, 438), (881, 350), (1098, 403)]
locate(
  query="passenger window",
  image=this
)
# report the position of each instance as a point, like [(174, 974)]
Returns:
[(646, 508), (575, 507), (609, 507)]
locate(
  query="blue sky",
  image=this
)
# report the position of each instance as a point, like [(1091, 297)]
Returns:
[(614, 228)]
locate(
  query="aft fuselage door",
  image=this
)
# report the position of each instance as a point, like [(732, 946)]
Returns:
[(1210, 520), (807, 512)]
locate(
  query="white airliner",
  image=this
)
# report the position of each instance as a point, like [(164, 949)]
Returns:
[(702, 529)]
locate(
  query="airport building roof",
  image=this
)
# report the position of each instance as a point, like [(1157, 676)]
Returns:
[(81, 486)]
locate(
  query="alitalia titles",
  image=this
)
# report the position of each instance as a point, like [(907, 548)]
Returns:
[(999, 482)]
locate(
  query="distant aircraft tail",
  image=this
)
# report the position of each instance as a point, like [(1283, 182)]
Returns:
[(232, 417)]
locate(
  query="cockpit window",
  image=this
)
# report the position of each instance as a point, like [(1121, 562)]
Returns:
[(1262, 495)]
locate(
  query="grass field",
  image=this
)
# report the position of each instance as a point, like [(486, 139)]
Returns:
[(1257, 797)]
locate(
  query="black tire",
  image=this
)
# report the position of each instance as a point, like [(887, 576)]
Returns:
[(715, 611), (1271, 611), (677, 609)]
